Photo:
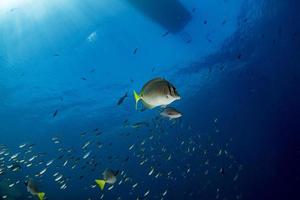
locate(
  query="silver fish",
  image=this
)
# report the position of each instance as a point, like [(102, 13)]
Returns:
[(171, 113)]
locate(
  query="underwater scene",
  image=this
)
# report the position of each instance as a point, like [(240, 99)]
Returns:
[(149, 99)]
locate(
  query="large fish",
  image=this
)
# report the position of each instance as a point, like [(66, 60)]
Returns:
[(33, 189), (157, 92), (109, 176)]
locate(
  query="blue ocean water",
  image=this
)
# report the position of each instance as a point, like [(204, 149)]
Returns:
[(67, 65)]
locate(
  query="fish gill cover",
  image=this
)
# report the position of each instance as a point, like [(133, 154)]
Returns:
[(216, 92)]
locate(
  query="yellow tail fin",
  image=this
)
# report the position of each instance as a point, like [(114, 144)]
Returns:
[(41, 195), (100, 183), (137, 98)]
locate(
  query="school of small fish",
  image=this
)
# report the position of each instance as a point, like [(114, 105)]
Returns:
[(150, 158)]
